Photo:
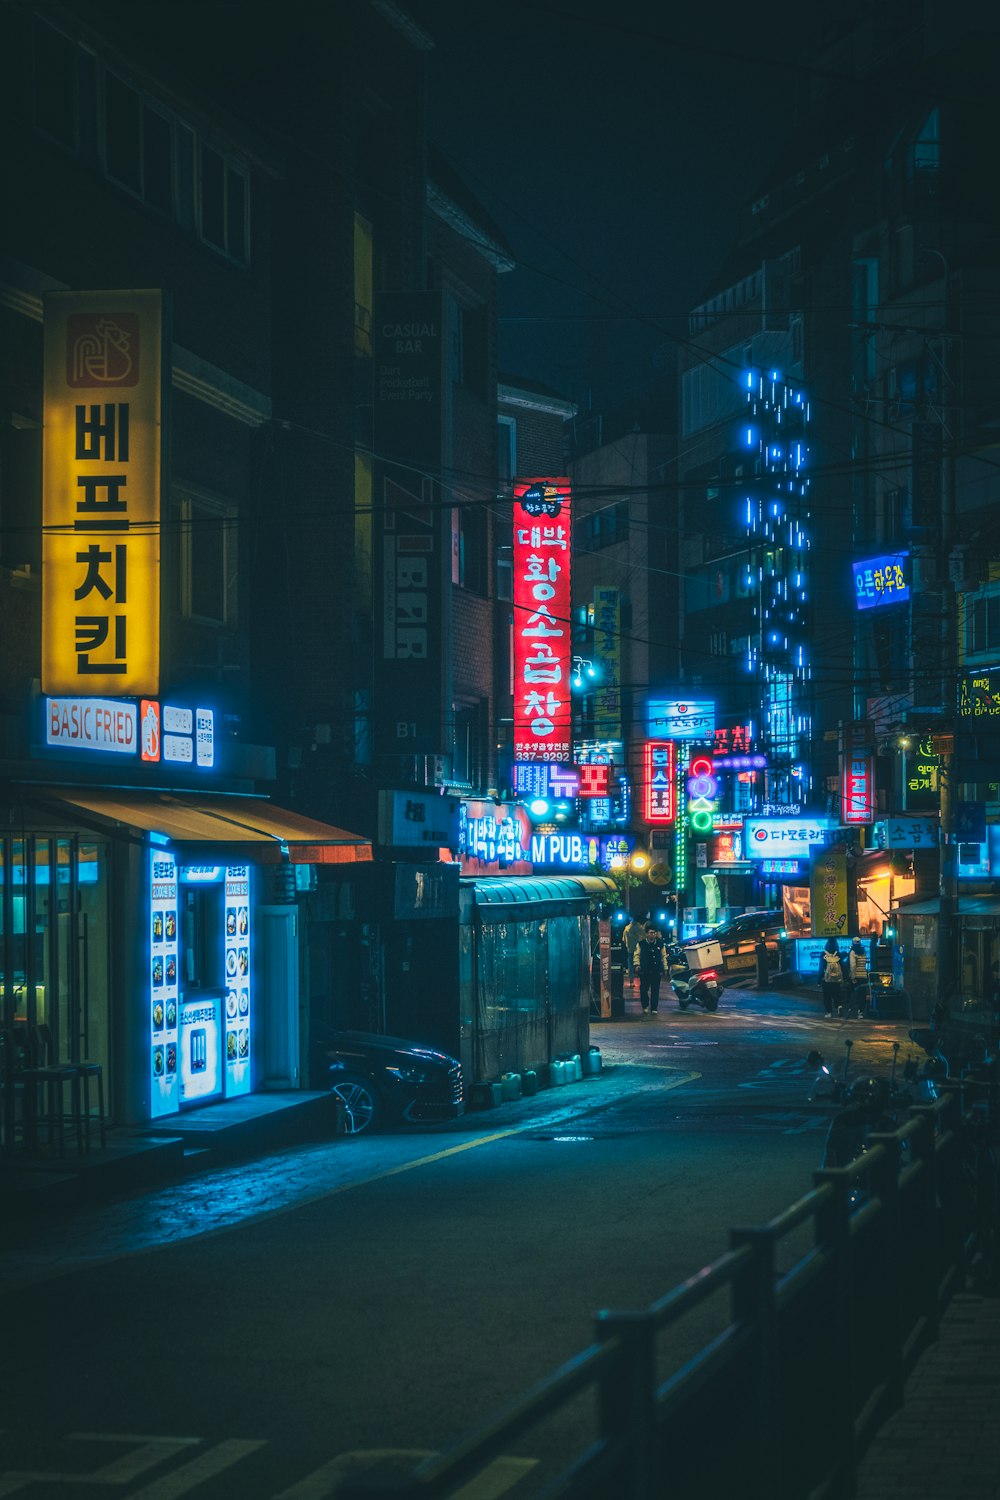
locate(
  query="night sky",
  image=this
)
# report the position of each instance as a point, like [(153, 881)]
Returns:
[(613, 143)]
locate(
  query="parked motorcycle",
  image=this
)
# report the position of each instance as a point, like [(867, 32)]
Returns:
[(701, 987), (827, 1086)]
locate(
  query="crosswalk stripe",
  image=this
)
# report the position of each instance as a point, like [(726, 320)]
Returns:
[(183, 1480)]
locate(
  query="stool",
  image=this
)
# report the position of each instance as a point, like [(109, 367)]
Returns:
[(79, 1074), (42, 1095), (87, 1071)]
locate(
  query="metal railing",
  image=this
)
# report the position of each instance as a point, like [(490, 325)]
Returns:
[(782, 1401)]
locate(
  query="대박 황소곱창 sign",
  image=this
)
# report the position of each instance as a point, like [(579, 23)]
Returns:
[(542, 626)]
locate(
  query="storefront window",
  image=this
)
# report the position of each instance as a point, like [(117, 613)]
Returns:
[(54, 969)]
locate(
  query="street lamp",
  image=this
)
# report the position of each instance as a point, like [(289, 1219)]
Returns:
[(582, 669)]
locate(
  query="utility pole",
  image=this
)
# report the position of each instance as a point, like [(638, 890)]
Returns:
[(944, 743)]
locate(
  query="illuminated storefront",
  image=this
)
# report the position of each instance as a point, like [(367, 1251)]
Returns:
[(131, 925)]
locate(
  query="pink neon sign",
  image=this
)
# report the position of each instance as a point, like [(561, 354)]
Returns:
[(542, 628)]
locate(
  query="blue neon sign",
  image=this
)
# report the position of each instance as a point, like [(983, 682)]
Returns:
[(881, 580)]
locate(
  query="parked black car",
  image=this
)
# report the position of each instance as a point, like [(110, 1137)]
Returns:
[(386, 1080), (738, 939)]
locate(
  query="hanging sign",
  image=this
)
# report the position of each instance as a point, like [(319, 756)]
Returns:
[(682, 719), (828, 882), (101, 461), (542, 627), (857, 775), (659, 781)]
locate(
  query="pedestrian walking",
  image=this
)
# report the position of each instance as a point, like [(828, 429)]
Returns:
[(631, 937), (831, 977), (857, 969), (650, 954)]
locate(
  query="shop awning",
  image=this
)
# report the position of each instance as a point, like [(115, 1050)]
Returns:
[(216, 828), (965, 906), (539, 895)]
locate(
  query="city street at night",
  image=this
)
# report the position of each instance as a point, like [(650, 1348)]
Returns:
[(499, 514), (259, 1324)]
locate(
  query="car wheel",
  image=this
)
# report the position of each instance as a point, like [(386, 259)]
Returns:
[(362, 1106)]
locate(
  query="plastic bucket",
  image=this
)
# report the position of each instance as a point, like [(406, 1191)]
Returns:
[(510, 1086)]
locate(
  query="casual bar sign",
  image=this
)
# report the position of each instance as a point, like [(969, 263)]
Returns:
[(542, 632), (101, 458)]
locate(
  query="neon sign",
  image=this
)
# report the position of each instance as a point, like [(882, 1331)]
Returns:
[(880, 581), (542, 633), (703, 791), (857, 781), (690, 719), (659, 766), (101, 463), (163, 994)]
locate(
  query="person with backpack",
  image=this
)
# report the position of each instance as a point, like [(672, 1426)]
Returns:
[(857, 964), (831, 977)]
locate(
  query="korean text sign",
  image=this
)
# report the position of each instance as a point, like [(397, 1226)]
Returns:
[(101, 462), (881, 580), (857, 775), (542, 628), (659, 778)]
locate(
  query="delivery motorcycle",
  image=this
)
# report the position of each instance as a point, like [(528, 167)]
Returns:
[(692, 986)]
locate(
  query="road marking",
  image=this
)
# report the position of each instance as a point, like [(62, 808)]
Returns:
[(495, 1480), (319, 1485), (183, 1480), (149, 1452), (499, 1476)]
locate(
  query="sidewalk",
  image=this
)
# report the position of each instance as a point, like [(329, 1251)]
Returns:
[(944, 1442)]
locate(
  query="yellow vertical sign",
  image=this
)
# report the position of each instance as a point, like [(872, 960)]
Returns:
[(101, 466)]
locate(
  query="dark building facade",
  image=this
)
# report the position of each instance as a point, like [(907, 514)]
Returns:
[(300, 534), (835, 427)]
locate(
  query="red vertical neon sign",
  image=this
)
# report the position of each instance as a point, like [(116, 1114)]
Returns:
[(857, 778), (658, 779), (542, 627)]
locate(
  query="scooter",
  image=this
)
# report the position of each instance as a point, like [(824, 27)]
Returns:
[(701, 987), (827, 1087)]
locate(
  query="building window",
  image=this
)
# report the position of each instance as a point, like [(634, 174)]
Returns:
[(982, 625), (467, 347), (223, 200), (467, 761), (603, 528), (470, 532), (208, 577), (55, 84), (140, 145), (506, 449), (926, 153), (894, 514)]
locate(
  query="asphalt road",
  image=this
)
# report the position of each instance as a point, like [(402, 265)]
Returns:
[(263, 1330)]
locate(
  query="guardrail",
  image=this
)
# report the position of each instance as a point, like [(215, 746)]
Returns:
[(809, 1358)]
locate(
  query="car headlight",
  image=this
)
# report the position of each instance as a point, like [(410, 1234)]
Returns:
[(409, 1073)]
